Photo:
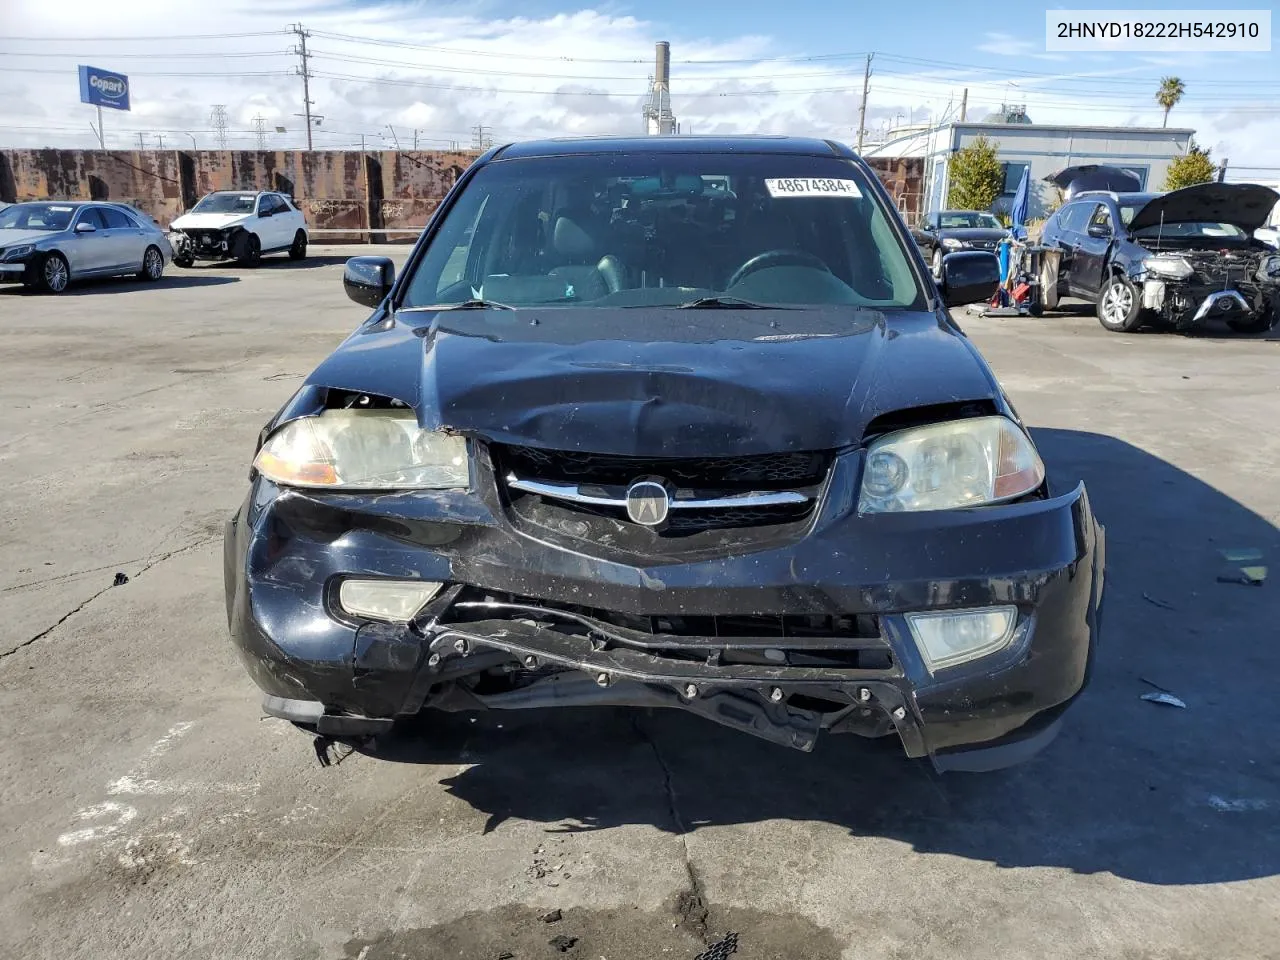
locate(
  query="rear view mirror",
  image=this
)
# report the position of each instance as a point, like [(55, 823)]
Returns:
[(86, 227), (969, 277), (368, 280)]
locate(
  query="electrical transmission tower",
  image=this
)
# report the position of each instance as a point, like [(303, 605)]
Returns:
[(260, 130), (218, 120), (481, 137), (304, 71)]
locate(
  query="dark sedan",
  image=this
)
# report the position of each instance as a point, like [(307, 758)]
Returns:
[(949, 231), (618, 435)]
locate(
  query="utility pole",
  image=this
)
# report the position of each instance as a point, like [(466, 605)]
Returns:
[(394, 138), (260, 130), (141, 144), (362, 143), (160, 140), (862, 111), (218, 120), (304, 71), (964, 105), (1222, 170), (415, 139)]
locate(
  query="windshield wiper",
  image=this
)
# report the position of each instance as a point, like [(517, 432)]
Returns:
[(726, 303), (464, 305)]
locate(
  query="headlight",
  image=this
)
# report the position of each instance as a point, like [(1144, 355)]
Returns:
[(961, 463), (951, 243), (363, 450), (1176, 268), (17, 253), (1270, 267)]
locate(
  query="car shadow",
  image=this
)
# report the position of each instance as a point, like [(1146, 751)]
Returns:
[(272, 262), (1216, 331), (1134, 788), (84, 288)]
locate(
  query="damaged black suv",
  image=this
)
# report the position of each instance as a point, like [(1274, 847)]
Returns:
[(1177, 260), (674, 422)]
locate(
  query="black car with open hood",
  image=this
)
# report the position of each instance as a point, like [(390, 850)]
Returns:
[(677, 422)]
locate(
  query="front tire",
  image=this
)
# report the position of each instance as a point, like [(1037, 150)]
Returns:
[(184, 262), (1260, 322), (299, 249), (250, 250), (1119, 305), (55, 274), (152, 265), (936, 266)]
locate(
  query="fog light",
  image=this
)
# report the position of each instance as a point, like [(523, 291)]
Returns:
[(395, 601), (949, 637)]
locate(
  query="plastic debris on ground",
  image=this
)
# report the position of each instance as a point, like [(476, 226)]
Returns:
[(721, 949), (1243, 571), (562, 943), (120, 580), (551, 916), (1166, 698)]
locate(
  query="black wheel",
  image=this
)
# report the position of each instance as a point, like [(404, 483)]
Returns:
[(1119, 305), (299, 249), (1260, 322), (152, 265), (54, 273), (937, 264), (250, 250), (183, 262)]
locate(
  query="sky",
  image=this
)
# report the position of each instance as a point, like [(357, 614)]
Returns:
[(390, 70)]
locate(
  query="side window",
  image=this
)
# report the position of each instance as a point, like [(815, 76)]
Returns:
[(1101, 218), (266, 205), (455, 268), (92, 215), (115, 219), (1073, 216)]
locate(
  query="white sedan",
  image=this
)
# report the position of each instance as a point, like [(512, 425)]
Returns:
[(239, 225)]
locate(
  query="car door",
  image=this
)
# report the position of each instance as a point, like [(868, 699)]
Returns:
[(924, 233), (84, 248), (123, 241), (272, 224), (1090, 256), (1070, 221), (291, 220)]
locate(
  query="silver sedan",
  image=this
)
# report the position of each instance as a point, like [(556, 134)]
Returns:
[(47, 245)]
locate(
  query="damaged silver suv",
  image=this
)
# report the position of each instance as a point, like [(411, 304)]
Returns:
[(1177, 260)]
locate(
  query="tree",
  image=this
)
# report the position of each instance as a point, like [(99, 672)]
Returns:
[(1170, 92), (1192, 167), (977, 177)]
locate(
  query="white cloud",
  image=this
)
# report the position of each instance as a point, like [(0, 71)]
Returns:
[(537, 77)]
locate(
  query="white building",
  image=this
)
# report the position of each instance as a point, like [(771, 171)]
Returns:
[(1045, 148)]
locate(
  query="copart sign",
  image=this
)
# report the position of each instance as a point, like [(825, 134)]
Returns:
[(102, 88)]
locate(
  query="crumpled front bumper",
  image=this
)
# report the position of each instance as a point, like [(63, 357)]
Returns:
[(1187, 304), (286, 552)]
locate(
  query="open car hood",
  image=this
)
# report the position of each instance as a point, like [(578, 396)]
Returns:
[(1094, 176), (1243, 205)]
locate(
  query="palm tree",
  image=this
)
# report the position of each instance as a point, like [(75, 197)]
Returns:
[(1170, 92)]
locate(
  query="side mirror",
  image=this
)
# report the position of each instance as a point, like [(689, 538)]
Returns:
[(1099, 231), (368, 280), (969, 277), (86, 227), (266, 213)]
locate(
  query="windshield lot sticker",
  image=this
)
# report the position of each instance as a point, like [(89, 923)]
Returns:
[(812, 187)]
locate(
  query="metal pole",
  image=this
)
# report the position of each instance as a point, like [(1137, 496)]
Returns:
[(862, 111), (141, 145), (394, 138), (102, 141), (306, 77), (1222, 171), (964, 105)]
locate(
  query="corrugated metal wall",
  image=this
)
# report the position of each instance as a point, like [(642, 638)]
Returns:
[(336, 189)]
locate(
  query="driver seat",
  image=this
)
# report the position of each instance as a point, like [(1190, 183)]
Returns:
[(590, 276)]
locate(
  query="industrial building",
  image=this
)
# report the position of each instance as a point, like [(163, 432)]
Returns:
[(1045, 148)]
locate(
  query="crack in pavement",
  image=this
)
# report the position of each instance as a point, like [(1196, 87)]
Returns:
[(84, 603), (691, 904)]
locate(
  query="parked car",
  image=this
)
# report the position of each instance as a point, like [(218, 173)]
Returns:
[(615, 437), (950, 230), (1176, 259), (239, 225), (48, 244)]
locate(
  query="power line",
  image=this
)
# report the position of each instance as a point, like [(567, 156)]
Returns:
[(260, 130), (187, 36)]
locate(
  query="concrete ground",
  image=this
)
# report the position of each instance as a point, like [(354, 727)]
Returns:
[(148, 811)]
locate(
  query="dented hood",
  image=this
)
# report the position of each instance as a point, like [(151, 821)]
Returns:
[(209, 221), (1245, 205), (661, 382)]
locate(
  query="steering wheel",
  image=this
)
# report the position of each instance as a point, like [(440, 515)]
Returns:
[(776, 258)]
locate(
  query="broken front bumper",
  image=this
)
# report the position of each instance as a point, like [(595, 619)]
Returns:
[(286, 554), (1185, 305)]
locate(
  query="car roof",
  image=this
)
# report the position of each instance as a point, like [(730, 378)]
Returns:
[(1134, 197), (943, 213), (563, 146)]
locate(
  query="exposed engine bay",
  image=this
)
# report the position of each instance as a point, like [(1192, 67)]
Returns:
[(1188, 286)]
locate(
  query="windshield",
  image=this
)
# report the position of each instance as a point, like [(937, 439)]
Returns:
[(969, 219), (226, 203), (1191, 230), (37, 216), (614, 230)]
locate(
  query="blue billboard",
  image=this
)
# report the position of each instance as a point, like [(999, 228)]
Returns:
[(102, 88)]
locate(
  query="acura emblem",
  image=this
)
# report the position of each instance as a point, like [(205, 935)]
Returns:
[(648, 503)]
